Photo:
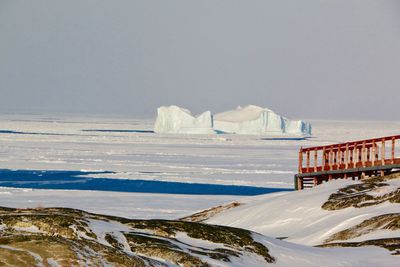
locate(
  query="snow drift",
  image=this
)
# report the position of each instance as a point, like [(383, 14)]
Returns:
[(300, 217), (174, 119), (257, 120), (251, 120)]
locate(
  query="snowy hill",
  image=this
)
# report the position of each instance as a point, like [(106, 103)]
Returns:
[(341, 213), (311, 217), (69, 237), (341, 223)]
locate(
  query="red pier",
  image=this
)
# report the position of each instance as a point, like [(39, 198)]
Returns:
[(356, 160)]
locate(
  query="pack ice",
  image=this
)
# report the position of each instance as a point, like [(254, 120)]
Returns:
[(174, 119), (252, 120)]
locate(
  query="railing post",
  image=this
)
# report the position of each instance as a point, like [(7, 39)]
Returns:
[(352, 157), (363, 156), (301, 160), (393, 148), (308, 160), (342, 155), (382, 172), (331, 158), (373, 153), (335, 158), (346, 162), (383, 152), (315, 159)]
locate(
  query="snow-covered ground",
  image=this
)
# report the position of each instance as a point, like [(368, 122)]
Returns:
[(289, 254), (129, 148), (76, 144), (298, 216), (129, 205)]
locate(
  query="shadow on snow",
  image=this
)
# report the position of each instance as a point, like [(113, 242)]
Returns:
[(117, 131), (73, 180)]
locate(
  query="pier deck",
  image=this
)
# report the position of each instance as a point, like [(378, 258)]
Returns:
[(355, 160)]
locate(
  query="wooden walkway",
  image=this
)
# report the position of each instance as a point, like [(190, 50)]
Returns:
[(354, 160)]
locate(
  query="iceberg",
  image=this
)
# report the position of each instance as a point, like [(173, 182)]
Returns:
[(255, 120), (298, 127), (250, 120), (174, 119)]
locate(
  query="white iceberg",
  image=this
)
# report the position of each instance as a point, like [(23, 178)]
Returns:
[(251, 120), (256, 120), (297, 127), (174, 119)]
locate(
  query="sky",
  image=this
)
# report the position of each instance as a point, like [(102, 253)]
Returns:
[(304, 59)]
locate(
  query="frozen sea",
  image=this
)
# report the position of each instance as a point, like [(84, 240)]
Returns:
[(204, 170)]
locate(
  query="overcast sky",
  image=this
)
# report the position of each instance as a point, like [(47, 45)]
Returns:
[(304, 59)]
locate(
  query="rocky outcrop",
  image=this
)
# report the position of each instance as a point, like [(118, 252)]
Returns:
[(369, 192), (204, 215), (72, 237), (388, 222)]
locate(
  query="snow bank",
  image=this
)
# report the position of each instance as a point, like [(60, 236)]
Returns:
[(298, 215), (257, 120), (174, 119)]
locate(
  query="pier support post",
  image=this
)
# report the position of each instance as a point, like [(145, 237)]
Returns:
[(299, 183)]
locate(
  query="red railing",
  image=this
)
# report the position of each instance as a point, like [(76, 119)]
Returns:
[(351, 155)]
